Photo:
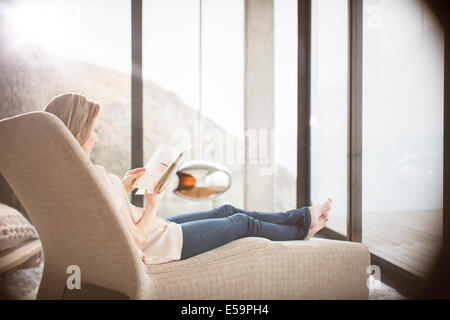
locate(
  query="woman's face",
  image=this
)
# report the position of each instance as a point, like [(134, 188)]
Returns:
[(92, 139)]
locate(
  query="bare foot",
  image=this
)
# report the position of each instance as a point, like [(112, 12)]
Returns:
[(322, 222), (319, 210)]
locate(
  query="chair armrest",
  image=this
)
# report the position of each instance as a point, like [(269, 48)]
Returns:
[(257, 268)]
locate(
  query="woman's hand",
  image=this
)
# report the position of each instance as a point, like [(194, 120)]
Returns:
[(153, 200), (130, 178)]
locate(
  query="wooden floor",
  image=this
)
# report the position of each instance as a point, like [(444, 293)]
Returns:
[(410, 240)]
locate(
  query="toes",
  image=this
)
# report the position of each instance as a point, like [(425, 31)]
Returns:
[(323, 221), (324, 216), (326, 207), (323, 212), (328, 203)]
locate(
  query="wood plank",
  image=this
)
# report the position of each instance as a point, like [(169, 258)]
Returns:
[(427, 234), (400, 235), (404, 253), (410, 239), (418, 251), (394, 259), (412, 253)]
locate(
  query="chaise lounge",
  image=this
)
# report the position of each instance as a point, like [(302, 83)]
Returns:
[(77, 225)]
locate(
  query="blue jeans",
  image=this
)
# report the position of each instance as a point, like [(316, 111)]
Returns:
[(207, 230)]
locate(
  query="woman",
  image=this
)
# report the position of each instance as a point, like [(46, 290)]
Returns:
[(185, 235)]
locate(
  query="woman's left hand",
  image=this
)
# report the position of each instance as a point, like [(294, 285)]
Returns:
[(153, 200), (130, 178)]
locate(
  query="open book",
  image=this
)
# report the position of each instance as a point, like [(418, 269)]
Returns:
[(160, 169)]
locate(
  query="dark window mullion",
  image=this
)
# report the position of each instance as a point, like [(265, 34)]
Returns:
[(446, 136), (304, 105), (136, 91), (354, 172)]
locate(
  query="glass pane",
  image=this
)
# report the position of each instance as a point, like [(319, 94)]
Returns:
[(222, 92), (285, 42), (329, 63), (173, 110), (50, 47), (403, 128), (171, 78)]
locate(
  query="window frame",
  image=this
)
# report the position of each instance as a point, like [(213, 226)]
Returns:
[(405, 282), (402, 280)]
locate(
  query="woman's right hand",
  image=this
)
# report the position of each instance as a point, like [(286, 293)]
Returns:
[(131, 177)]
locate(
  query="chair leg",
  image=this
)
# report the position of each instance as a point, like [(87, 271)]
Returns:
[(53, 284)]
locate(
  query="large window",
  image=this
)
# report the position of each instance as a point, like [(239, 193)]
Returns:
[(222, 91), (329, 104), (402, 127), (285, 109), (193, 62), (402, 133)]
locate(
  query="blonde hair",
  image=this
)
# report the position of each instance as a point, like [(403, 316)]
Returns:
[(76, 112)]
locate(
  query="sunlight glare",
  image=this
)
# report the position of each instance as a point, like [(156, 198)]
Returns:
[(40, 24)]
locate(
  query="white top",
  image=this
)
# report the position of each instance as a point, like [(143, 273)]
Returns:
[(165, 241)]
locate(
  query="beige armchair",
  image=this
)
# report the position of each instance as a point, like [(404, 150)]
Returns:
[(77, 225)]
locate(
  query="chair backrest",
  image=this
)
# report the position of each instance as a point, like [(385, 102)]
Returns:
[(60, 190)]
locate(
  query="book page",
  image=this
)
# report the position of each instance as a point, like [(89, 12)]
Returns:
[(161, 167), (171, 171)]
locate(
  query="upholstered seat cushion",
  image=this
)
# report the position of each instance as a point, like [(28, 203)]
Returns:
[(257, 268)]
